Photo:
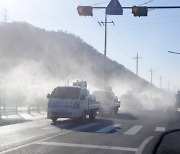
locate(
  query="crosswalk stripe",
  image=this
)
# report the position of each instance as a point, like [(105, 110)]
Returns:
[(134, 130), (108, 128), (84, 126), (160, 129)]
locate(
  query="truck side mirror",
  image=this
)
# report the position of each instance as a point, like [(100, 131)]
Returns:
[(48, 95), (82, 97)]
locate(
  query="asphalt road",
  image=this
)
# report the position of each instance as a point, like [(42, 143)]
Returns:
[(127, 133)]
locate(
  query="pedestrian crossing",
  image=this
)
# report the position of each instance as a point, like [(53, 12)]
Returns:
[(130, 130), (134, 130), (108, 128), (160, 129)]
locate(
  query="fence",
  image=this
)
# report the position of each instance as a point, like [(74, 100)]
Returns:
[(5, 109)]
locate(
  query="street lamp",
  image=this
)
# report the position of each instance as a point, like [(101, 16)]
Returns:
[(174, 52)]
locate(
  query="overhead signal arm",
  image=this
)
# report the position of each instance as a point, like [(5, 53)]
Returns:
[(138, 11)]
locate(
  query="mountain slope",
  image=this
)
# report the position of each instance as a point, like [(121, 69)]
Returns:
[(33, 61)]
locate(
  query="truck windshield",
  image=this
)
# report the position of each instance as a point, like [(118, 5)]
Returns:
[(66, 92)]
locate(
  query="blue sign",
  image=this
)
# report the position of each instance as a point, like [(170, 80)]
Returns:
[(114, 8)]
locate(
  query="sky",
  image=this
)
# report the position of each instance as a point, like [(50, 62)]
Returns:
[(150, 36)]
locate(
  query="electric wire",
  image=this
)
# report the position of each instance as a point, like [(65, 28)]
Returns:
[(45, 14), (127, 49), (99, 3)]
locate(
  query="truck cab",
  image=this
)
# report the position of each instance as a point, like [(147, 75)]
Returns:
[(71, 102), (109, 103)]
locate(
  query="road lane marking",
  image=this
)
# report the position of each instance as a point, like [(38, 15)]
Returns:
[(143, 145), (47, 138), (134, 130), (88, 146), (108, 128), (160, 129), (31, 143)]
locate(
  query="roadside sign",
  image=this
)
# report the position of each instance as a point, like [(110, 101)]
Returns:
[(114, 8)]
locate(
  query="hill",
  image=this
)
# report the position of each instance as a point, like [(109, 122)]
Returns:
[(33, 61)]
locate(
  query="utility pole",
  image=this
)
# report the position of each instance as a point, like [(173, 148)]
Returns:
[(113, 8), (168, 86), (137, 62), (68, 81), (174, 89), (105, 42), (151, 74), (160, 82)]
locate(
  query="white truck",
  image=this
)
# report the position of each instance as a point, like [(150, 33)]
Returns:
[(72, 102), (109, 103)]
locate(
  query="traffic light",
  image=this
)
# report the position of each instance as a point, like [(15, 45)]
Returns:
[(85, 10), (139, 11)]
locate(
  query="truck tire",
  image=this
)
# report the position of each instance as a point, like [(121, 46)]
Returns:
[(83, 117), (54, 119), (92, 115)]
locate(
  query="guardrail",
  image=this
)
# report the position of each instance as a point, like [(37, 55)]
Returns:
[(17, 109)]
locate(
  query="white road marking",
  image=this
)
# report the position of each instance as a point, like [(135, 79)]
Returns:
[(28, 144), (134, 130), (160, 129), (88, 146), (47, 138), (143, 145), (108, 128)]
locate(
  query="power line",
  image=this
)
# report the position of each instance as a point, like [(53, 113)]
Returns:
[(99, 3), (42, 12), (127, 44), (147, 2)]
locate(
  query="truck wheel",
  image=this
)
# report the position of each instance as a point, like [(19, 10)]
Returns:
[(92, 115), (83, 117), (54, 119)]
